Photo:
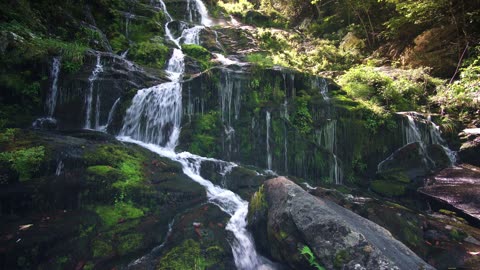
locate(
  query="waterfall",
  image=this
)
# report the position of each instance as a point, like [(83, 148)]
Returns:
[(323, 86), (436, 138), (110, 116), (413, 133), (191, 35), (326, 138), (202, 9), (60, 167), (153, 121), (52, 96), (155, 115), (267, 142), (89, 98)]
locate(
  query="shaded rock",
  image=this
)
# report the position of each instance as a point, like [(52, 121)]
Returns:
[(410, 159), (470, 152), (337, 238)]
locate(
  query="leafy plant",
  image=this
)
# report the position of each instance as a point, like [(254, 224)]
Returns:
[(312, 260)]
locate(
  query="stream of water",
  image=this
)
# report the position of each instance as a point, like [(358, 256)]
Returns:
[(153, 121)]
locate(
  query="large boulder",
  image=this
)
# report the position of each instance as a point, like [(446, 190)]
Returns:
[(306, 232)]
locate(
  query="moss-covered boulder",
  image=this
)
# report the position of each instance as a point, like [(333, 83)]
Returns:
[(83, 198)]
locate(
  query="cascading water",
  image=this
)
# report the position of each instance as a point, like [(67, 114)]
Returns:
[(51, 101), (89, 98), (110, 115), (153, 121), (52, 96), (60, 167), (413, 133), (436, 138), (323, 85), (326, 137), (423, 131), (267, 142)]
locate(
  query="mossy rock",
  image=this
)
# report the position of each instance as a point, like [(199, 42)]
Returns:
[(388, 188)]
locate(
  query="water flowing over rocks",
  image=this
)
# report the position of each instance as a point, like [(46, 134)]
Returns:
[(288, 219)]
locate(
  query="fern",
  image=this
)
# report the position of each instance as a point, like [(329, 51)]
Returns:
[(312, 260)]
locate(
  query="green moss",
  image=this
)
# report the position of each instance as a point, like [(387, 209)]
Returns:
[(128, 243), (457, 235), (204, 140), (447, 212), (389, 189), (150, 53), (25, 161), (258, 202), (111, 215), (121, 164), (101, 248), (189, 256), (101, 170), (341, 257), (199, 53)]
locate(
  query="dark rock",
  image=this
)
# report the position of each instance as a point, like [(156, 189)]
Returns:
[(410, 159), (336, 237), (470, 152)]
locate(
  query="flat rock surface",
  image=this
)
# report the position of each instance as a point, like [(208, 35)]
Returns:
[(458, 187)]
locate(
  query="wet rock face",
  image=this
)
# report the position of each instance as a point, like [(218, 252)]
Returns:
[(301, 229), (116, 78)]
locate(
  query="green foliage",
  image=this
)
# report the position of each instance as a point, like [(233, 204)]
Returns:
[(25, 161), (199, 53), (260, 59), (238, 8), (406, 92), (462, 95), (310, 257), (150, 53), (8, 135), (111, 215)]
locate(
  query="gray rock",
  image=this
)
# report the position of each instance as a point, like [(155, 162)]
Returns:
[(339, 238)]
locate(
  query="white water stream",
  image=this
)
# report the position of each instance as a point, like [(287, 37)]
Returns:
[(89, 98), (52, 97), (153, 121)]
